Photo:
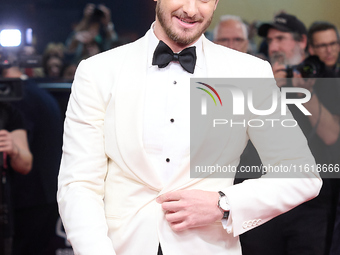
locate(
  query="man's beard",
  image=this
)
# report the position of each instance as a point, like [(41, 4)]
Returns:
[(180, 40), (279, 57), (282, 58)]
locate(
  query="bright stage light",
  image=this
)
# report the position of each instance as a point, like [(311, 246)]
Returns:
[(10, 37)]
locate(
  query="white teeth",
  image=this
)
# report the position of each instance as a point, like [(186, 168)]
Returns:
[(186, 22)]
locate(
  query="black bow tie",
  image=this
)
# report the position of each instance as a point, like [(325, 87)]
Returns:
[(164, 55)]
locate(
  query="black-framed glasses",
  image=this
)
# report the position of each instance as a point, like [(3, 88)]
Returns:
[(324, 46), (237, 40)]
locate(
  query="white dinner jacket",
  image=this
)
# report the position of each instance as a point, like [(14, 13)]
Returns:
[(107, 186)]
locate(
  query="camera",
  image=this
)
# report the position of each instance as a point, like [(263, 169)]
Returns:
[(11, 89), (311, 67), (13, 43), (97, 15)]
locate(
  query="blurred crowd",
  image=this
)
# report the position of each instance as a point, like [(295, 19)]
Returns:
[(93, 34), (300, 58), (292, 49)]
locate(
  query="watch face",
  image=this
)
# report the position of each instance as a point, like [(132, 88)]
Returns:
[(224, 204)]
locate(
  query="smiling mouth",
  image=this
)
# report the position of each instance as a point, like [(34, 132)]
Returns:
[(188, 22)]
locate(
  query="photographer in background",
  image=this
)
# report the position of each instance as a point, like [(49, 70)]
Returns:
[(307, 229), (13, 140), (287, 41), (93, 34), (35, 209), (323, 41), (15, 156)]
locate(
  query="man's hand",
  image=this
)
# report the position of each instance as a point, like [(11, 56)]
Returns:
[(15, 144), (186, 209), (280, 74), (300, 82), (107, 14), (7, 144)]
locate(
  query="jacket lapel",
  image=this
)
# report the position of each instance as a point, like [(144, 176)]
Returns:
[(130, 97)]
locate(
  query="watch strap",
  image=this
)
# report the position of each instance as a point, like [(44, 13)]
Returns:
[(225, 214), (221, 194)]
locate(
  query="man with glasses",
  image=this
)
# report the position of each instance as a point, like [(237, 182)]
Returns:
[(323, 38), (232, 32)]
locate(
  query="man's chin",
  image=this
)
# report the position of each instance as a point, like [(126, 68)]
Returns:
[(185, 38)]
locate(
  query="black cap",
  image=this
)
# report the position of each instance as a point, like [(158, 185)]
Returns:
[(285, 23)]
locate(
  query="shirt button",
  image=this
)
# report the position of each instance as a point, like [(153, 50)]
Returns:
[(175, 82), (172, 120), (167, 160)]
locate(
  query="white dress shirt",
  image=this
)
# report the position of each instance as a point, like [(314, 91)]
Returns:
[(166, 128)]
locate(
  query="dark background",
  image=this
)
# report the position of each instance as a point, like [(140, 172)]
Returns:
[(52, 20)]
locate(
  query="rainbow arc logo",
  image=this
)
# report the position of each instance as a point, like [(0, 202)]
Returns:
[(209, 93)]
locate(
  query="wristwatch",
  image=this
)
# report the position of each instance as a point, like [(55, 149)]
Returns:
[(223, 205)]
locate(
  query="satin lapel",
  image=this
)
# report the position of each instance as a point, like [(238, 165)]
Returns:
[(218, 66), (129, 113)]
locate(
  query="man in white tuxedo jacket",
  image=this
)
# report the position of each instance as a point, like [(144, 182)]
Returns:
[(124, 183)]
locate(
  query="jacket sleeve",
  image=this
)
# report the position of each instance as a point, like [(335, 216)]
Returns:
[(83, 168), (256, 201)]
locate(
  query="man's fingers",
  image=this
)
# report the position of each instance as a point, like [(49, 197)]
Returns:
[(168, 197), (174, 206), (3, 132), (174, 217), (179, 226)]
